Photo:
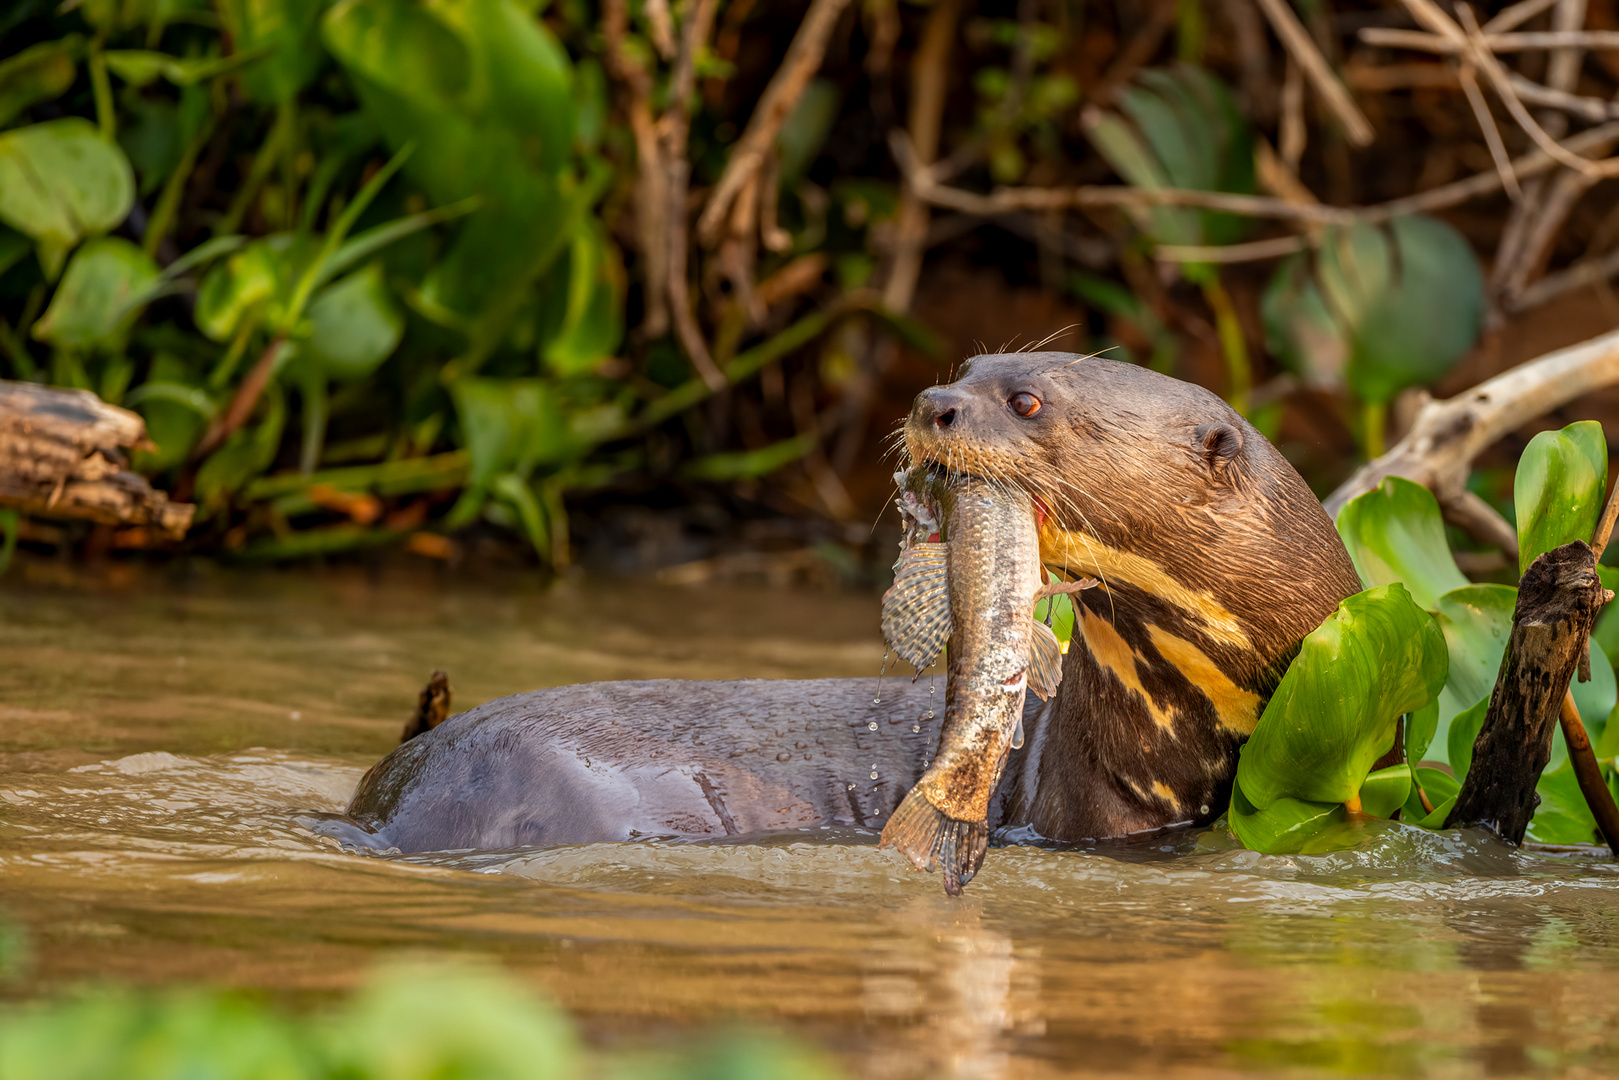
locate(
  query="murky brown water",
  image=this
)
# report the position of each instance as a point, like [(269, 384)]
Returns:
[(157, 746)]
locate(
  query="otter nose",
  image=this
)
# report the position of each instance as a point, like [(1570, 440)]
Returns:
[(939, 406)]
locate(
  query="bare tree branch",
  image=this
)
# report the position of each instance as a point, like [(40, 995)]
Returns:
[(1303, 51)]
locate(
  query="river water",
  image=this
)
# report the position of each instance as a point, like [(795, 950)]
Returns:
[(159, 742)]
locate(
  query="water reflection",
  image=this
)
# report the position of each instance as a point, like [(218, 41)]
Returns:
[(149, 830)]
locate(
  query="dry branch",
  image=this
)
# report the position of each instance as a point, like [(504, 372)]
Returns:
[(1420, 41), (61, 455), (758, 140), (1303, 51), (1558, 601), (1447, 435)]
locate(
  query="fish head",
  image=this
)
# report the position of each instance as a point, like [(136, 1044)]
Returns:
[(1139, 478)]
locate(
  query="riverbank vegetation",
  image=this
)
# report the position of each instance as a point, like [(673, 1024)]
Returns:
[(379, 273)]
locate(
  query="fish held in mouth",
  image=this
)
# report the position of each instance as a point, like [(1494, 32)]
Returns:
[(968, 576)]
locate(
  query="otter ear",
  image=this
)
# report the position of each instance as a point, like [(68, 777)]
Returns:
[(1218, 446)]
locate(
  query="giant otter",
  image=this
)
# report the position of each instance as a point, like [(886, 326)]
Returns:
[(1215, 560)]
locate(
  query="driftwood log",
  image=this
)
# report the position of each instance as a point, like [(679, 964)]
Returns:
[(62, 455), (1558, 602)]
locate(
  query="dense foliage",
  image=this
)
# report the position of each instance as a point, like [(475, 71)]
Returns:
[(1426, 643), (374, 270)]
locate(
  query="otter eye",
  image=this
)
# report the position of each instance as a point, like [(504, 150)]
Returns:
[(1024, 404)]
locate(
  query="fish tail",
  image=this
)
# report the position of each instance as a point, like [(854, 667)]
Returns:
[(932, 840)]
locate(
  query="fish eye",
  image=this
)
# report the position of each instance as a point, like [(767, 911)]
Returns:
[(1024, 404)]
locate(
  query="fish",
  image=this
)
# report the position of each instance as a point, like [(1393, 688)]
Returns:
[(968, 576)]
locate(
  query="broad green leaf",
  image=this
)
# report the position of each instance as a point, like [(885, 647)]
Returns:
[(38, 73), (1558, 489), (1183, 131), (246, 281), (61, 181), (1377, 308), (92, 305), (354, 325), (1284, 827), (1476, 620), (1441, 789), (246, 454), (509, 425), (1395, 533), (590, 321), (1563, 817), (1333, 714), (1385, 790), (1463, 733), (1420, 728)]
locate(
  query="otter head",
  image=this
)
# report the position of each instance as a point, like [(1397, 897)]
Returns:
[(1197, 527)]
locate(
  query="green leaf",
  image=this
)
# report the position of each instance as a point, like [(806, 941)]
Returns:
[(92, 305), (1377, 308), (1284, 827), (1333, 714), (354, 325), (1420, 727), (1476, 620), (1563, 816), (176, 412), (247, 281), (1463, 733), (1558, 489), (750, 463), (509, 425), (590, 323), (1395, 533), (61, 181), (1441, 789), (38, 73), (1183, 131), (246, 454), (1385, 790)]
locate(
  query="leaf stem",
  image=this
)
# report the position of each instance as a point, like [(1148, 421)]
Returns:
[(1589, 773), (1374, 418), (1239, 368), (101, 86)]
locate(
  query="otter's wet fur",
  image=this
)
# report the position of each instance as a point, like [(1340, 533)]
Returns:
[(1214, 558)]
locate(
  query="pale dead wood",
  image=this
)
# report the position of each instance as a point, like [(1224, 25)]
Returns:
[(1251, 251), (1436, 42), (1304, 52), (62, 455), (1492, 134), (1517, 15), (781, 96), (1447, 435)]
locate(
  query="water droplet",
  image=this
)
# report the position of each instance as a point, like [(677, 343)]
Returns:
[(851, 787), (872, 726), (784, 756), (295, 715), (874, 776), (1203, 809), (916, 727)]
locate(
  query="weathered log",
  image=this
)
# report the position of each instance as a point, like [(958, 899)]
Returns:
[(1558, 602), (62, 456)]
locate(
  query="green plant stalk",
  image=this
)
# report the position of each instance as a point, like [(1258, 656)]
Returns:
[(1239, 368), (1374, 421), (168, 201), (313, 392), (1190, 27), (101, 87), (263, 162), (221, 375), (14, 348)]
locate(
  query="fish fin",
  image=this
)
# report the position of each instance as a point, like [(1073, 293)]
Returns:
[(916, 608), (1064, 588), (1045, 661), (932, 840)]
